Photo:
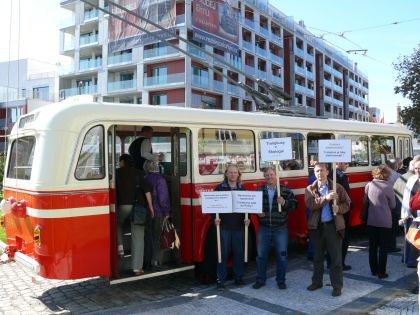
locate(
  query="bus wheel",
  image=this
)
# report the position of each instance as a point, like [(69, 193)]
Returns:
[(206, 270)]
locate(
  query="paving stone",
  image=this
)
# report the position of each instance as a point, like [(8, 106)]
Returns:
[(407, 305)]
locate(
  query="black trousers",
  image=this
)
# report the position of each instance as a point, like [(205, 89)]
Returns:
[(379, 239), (326, 238)]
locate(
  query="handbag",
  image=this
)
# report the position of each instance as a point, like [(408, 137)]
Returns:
[(139, 212), (364, 214), (415, 201), (167, 236), (413, 234)]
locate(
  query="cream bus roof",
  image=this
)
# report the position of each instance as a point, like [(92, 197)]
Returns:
[(73, 117)]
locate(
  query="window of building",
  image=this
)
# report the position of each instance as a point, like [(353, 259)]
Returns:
[(41, 93), (21, 158), (382, 149), (217, 148), (359, 149), (159, 99), (91, 163), (297, 150)]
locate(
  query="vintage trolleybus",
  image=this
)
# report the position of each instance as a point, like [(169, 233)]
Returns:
[(61, 162)]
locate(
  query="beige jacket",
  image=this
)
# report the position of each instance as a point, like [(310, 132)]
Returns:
[(314, 201)]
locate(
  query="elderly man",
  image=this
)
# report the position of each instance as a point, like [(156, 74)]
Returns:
[(326, 227)]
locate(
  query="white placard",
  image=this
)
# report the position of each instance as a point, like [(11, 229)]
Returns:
[(334, 151), (247, 201), (276, 149), (216, 202)]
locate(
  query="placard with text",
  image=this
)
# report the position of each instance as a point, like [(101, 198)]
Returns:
[(331, 151), (276, 149), (231, 201)]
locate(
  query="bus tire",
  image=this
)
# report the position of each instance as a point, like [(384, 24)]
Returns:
[(206, 270)]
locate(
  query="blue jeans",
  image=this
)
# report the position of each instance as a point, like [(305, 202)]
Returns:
[(279, 236), (231, 240)]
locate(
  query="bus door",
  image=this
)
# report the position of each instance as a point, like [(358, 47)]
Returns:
[(312, 147)]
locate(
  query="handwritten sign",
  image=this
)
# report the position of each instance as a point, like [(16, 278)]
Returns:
[(276, 149), (216, 202), (334, 151), (247, 201)]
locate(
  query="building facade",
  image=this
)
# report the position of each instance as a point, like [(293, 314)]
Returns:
[(272, 47)]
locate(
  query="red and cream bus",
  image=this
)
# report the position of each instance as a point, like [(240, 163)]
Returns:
[(62, 159)]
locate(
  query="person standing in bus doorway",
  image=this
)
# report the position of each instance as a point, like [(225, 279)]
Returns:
[(126, 179), (161, 207), (273, 227), (232, 236), (141, 148), (326, 227), (343, 180)]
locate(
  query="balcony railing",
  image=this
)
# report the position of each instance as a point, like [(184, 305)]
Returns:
[(310, 75), (67, 22), (328, 99), (247, 45), (164, 79), (277, 80), (265, 32), (88, 39), (299, 52), (261, 51), (160, 52), (198, 53), (200, 81), (91, 89), (338, 88), (121, 85), (337, 73), (328, 68), (91, 14), (218, 86), (217, 62), (249, 23), (300, 70), (327, 83), (262, 74), (122, 58), (300, 89), (234, 89), (276, 39), (337, 102), (310, 92), (276, 59), (89, 64), (249, 70)]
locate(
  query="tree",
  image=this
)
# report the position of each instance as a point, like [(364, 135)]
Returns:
[(408, 68)]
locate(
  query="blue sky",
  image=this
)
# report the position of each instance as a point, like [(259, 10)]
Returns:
[(39, 35)]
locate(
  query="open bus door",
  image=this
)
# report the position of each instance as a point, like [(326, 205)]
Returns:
[(171, 145)]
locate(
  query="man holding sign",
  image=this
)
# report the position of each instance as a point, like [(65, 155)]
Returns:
[(273, 227), (231, 231), (326, 227)]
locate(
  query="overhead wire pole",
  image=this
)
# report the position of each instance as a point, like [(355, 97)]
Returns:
[(175, 46)]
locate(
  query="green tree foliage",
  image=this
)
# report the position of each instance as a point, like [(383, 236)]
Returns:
[(408, 78)]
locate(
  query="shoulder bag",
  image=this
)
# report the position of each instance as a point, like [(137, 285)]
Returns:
[(139, 212)]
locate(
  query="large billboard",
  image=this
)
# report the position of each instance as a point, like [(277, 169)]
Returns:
[(216, 23), (124, 36)]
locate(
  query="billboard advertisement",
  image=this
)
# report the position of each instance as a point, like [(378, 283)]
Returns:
[(124, 36), (216, 23)]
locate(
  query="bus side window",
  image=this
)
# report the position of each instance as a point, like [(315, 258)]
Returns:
[(359, 149), (91, 163), (297, 150), (382, 149)]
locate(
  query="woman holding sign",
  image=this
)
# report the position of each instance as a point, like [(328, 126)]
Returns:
[(273, 226), (231, 231)]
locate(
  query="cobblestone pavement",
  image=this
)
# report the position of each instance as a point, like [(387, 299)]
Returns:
[(182, 294)]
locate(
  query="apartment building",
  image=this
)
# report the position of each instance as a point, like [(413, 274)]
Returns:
[(271, 47)]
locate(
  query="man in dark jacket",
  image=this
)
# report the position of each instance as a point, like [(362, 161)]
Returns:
[(326, 227), (273, 226)]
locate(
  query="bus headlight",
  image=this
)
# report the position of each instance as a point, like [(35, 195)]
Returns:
[(37, 236)]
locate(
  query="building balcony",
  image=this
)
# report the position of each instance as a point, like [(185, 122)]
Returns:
[(352, 82), (309, 57), (352, 95), (265, 32), (247, 45), (160, 52), (200, 81), (233, 89), (175, 78), (249, 70), (310, 75), (68, 45), (276, 59), (277, 80), (90, 89), (300, 89), (338, 88), (91, 15), (299, 52), (261, 51), (90, 64), (310, 110), (328, 99), (218, 86), (66, 69), (365, 89), (262, 74), (337, 102), (197, 53), (119, 59), (328, 83), (218, 62), (337, 73), (301, 71), (67, 22), (276, 39), (327, 68), (121, 85), (249, 23), (86, 40)]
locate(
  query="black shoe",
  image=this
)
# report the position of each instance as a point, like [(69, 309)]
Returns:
[(220, 286), (314, 287), (346, 267), (258, 285), (383, 275), (282, 286), (239, 282), (394, 250), (336, 292)]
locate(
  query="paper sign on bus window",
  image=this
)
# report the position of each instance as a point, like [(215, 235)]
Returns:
[(247, 201), (216, 202), (331, 151), (276, 149)]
